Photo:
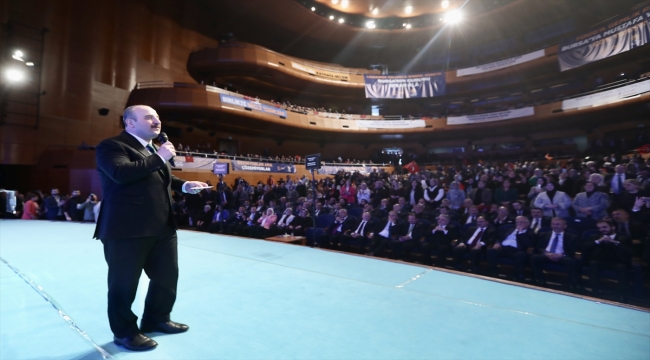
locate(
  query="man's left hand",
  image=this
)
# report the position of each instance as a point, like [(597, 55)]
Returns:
[(194, 187)]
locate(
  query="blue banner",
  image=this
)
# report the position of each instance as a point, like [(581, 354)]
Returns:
[(253, 105), (622, 34), (405, 86), (260, 166)]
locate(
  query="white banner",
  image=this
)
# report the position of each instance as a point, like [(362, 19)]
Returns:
[(193, 162), (348, 116), (607, 97), (390, 124), (500, 64), (333, 169), (494, 116)]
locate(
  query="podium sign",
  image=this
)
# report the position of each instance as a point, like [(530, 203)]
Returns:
[(312, 162)]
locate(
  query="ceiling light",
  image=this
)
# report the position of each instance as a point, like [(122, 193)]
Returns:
[(408, 26), (18, 53), (375, 11), (14, 75), (341, 21), (313, 8), (453, 17), (445, 4), (408, 9), (345, 3), (370, 24), (16, 57), (331, 17), (29, 63), (335, 2)]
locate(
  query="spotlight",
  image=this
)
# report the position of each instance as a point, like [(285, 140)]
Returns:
[(375, 11), (18, 53), (445, 4), (453, 17), (370, 24), (345, 3), (341, 21), (313, 8), (335, 2), (408, 9), (331, 17), (29, 63), (14, 75), (408, 26)]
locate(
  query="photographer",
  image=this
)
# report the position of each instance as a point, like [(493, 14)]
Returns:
[(88, 208)]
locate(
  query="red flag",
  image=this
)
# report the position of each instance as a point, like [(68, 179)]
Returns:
[(412, 167), (645, 149), (189, 159), (548, 157)]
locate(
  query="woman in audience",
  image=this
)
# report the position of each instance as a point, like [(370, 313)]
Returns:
[(506, 194), (599, 180), (555, 203), (414, 193), (537, 189), (30, 211), (265, 222), (631, 193), (395, 191), (363, 193), (591, 203), (455, 195), (348, 191)]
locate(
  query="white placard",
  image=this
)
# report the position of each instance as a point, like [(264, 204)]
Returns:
[(390, 124), (493, 116), (607, 97), (501, 64)]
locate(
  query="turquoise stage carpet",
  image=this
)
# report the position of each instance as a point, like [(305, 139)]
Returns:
[(253, 299)]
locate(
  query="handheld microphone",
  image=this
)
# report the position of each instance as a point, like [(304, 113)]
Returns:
[(162, 138)]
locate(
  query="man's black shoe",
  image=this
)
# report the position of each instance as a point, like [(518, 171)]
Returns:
[(168, 327), (138, 342)]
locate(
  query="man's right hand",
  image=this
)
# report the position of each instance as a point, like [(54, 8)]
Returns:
[(167, 151)]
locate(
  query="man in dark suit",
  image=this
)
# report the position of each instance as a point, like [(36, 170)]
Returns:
[(219, 222), (359, 234), (439, 241), (385, 232), (411, 233), (518, 209), (470, 217), (608, 250), (538, 220), (514, 245), (301, 222), (474, 241), (137, 227), (341, 226), (558, 247), (503, 217)]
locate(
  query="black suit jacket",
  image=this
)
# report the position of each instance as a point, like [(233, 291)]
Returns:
[(440, 238), (393, 231), (524, 240), (487, 238), (348, 225), (137, 198), (607, 252), (570, 243), (419, 232)]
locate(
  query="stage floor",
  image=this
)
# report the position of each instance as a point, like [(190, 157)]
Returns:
[(255, 299)]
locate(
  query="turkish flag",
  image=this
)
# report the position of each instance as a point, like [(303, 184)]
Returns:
[(412, 167), (645, 149), (189, 159)]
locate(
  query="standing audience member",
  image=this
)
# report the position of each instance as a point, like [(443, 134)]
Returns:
[(555, 203), (31, 209), (591, 203)]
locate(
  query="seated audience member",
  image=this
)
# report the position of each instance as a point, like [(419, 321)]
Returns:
[(282, 226), (361, 232), (205, 218), (342, 225), (300, 223), (404, 205), (88, 207), (518, 209), (464, 210), (240, 196), (555, 203), (386, 231), (239, 219), (481, 196), (506, 194), (608, 250), (503, 217), (538, 220), (412, 232), (382, 211), (421, 214), (31, 208), (492, 212), (514, 245), (220, 218), (400, 213), (471, 217), (439, 241), (591, 203), (556, 246), (632, 192), (634, 229), (474, 241), (363, 193), (264, 224), (320, 210)]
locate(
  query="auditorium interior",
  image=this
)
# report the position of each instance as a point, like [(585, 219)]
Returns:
[(402, 96)]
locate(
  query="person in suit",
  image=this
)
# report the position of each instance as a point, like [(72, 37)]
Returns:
[(360, 233), (219, 223), (282, 226), (518, 209), (386, 231), (471, 216), (556, 246), (137, 227), (474, 241), (538, 220), (439, 241), (608, 250), (342, 225), (239, 219), (481, 196), (616, 182), (503, 217), (515, 245), (411, 233), (320, 210), (300, 223)]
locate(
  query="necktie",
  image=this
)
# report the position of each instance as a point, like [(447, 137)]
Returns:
[(360, 228), (534, 224), (151, 149), (410, 229), (619, 186), (556, 239), (476, 239)]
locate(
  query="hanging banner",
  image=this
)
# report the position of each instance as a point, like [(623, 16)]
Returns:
[(193, 162), (625, 33), (333, 75), (251, 105), (501, 64), (405, 86), (494, 116), (607, 97), (333, 169), (238, 165), (390, 124)]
